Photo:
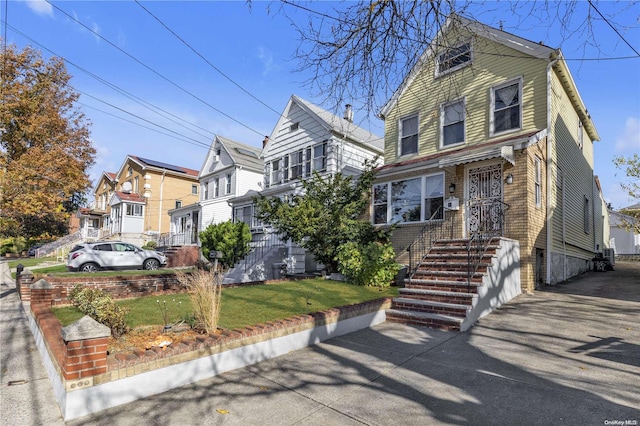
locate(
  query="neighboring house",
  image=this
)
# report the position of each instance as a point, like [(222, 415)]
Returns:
[(305, 140), (230, 169), (94, 219), (623, 239), (488, 133), (145, 192)]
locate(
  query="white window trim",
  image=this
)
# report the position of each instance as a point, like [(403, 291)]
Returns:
[(423, 188), (580, 134), (439, 73), (464, 122), (400, 120), (492, 90), (537, 180)]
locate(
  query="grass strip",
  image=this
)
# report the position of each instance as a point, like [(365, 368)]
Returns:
[(244, 306)]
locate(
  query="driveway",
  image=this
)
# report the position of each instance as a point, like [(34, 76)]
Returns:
[(567, 355)]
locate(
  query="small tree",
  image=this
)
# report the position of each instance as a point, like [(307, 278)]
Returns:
[(232, 239), (326, 215), (631, 166)]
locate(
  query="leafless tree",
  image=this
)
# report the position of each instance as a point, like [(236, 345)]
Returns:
[(362, 50)]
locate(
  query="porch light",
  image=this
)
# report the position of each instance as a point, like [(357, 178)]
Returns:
[(452, 188), (509, 178)]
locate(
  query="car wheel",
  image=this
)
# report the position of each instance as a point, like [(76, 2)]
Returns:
[(151, 264), (89, 267)]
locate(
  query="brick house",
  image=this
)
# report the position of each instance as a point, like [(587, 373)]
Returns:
[(488, 132)]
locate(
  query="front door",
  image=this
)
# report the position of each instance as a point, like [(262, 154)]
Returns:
[(484, 207)]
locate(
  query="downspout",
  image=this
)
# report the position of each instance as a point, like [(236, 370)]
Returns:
[(160, 205), (549, 167)]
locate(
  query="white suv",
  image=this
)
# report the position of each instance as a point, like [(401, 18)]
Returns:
[(92, 257)]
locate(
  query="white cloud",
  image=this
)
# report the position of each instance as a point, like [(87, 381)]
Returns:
[(630, 139), (268, 64), (40, 7)]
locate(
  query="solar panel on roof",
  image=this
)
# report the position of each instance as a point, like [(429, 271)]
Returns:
[(247, 152), (162, 165)]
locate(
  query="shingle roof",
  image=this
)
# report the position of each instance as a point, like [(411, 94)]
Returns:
[(341, 125)]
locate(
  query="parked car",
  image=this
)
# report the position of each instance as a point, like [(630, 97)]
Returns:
[(92, 257), (32, 250)]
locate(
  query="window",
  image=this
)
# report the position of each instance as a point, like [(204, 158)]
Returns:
[(580, 133), (506, 107), (307, 162), (454, 58), (434, 197), (216, 187), (194, 189), (205, 191), (586, 215), (129, 171), (285, 168), (537, 181), (276, 176), (178, 204), (320, 157), (380, 197), (406, 198), (136, 183), (243, 214), (452, 120), (227, 184), (409, 135), (296, 164), (134, 210), (294, 127), (217, 158), (414, 200)]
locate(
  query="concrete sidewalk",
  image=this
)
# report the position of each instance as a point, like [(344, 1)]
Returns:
[(568, 355), (26, 395)]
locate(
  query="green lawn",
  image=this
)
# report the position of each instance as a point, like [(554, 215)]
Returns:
[(31, 261), (243, 306)]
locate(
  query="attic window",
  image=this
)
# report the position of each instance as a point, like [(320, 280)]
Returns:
[(294, 127), (454, 58)]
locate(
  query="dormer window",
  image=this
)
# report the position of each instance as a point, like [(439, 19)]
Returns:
[(453, 58)]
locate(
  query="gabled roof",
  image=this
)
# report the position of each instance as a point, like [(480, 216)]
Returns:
[(131, 197), (527, 47), (241, 154), (108, 176), (146, 163), (332, 123)]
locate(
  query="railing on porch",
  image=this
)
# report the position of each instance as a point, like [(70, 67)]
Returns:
[(181, 239), (261, 248), (488, 223), (440, 225)]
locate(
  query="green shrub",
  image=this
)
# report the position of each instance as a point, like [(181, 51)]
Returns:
[(150, 245), (232, 239), (370, 264), (99, 305)]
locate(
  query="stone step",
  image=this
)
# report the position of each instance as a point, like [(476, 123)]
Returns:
[(443, 322), (441, 308), (439, 285), (457, 297)]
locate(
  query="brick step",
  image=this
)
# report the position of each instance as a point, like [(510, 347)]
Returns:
[(442, 322), (460, 249), (440, 285), (456, 257), (446, 296), (426, 274), (442, 308), (450, 266)]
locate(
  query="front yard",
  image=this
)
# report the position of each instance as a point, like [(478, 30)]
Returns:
[(240, 307)]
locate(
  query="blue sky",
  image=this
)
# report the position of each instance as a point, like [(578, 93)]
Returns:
[(255, 48)]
